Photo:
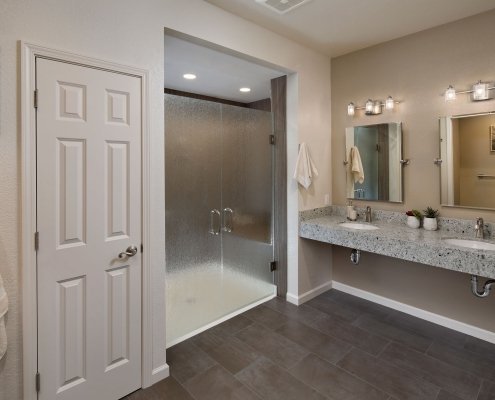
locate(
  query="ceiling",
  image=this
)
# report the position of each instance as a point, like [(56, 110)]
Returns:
[(337, 27), (218, 74)]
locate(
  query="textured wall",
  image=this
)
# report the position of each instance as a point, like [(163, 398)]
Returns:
[(415, 69), (131, 33)]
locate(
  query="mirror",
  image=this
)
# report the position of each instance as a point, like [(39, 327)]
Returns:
[(373, 162), (467, 154)]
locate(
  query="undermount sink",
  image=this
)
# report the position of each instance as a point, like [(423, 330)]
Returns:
[(357, 225), (471, 244)]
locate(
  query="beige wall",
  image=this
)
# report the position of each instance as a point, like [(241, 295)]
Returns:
[(476, 158), (131, 32), (416, 70), (439, 291)]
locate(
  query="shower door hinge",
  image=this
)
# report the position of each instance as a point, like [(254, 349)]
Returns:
[(142, 248), (272, 139), (35, 98), (38, 382), (273, 266), (36, 241)]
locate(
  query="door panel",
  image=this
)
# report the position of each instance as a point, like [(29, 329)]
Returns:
[(193, 184), (89, 211), (247, 189), (192, 191)]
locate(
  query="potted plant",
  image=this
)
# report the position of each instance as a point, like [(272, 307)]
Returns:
[(430, 219), (413, 218)]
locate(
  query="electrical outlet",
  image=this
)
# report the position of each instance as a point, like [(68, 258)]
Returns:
[(327, 199)]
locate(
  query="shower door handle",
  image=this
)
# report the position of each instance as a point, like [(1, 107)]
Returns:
[(227, 227), (212, 229)]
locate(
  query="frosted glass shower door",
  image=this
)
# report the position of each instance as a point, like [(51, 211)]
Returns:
[(247, 196), (192, 191), (218, 212)]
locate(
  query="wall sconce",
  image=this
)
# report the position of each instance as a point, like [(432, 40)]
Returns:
[(372, 107), (479, 92)]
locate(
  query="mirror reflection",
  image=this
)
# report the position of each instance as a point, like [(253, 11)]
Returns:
[(373, 162), (467, 153)]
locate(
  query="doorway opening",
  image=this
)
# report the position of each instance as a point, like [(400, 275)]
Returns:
[(221, 197)]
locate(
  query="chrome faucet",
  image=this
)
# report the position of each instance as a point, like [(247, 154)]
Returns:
[(478, 228), (368, 214)]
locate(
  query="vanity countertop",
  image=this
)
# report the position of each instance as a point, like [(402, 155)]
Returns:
[(395, 239)]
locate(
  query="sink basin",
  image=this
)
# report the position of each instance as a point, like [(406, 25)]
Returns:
[(471, 244), (362, 227)]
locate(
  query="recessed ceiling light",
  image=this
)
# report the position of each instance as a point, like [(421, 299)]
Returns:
[(245, 89), (189, 76)]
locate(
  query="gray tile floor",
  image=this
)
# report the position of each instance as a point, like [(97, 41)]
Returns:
[(336, 347)]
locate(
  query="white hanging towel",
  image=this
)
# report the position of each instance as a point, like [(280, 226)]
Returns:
[(356, 165), (305, 167), (4, 307)]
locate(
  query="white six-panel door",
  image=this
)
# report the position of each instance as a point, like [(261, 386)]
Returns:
[(88, 211)]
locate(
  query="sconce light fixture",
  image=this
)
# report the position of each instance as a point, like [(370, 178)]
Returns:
[(372, 107), (480, 91)]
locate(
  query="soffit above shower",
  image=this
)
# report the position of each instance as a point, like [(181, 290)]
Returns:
[(218, 74), (337, 27)]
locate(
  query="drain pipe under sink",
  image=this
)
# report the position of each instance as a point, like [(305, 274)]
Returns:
[(355, 256), (486, 287)]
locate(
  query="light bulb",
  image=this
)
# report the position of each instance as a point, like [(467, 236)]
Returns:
[(351, 109), (481, 91), (389, 103), (189, 76), (245, 89), (377, 107), (450, 94), (368, 107)]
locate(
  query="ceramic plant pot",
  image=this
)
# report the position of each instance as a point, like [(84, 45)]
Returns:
[(412, 222), (430, 224)]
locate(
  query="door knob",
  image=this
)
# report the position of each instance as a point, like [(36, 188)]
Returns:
[(129, 252)]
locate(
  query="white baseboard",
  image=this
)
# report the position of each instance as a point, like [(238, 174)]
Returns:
[(303, 298), (417, 312)]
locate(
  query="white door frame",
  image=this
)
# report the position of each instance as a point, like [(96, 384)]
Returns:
[(29, 52)]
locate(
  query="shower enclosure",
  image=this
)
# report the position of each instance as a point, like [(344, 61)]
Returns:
[(219, 201)]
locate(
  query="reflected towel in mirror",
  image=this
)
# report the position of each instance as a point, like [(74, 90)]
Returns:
[(356, 165), (305, 167), (4, 307)]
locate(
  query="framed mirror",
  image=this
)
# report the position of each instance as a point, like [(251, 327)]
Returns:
[(467, 160), (373, 162)]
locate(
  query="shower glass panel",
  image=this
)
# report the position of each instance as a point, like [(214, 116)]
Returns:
[(218, 212)]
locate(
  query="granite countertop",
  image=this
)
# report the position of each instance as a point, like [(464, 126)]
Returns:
[(396, 239)]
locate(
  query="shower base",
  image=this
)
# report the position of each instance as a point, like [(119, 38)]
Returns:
[(201, 298)]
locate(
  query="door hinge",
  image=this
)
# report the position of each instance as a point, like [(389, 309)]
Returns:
[(35, 98), (272, 139), (142, 248), (38, 382), (273, 266), (36, 241)]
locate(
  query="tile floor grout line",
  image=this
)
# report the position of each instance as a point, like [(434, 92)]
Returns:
[(363, 380), (421, 377)]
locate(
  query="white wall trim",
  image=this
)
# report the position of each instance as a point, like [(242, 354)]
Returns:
[(151, 287), (310, 294), (418, 312)]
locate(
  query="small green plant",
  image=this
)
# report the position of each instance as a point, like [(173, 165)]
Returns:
[(430, 212), (414, 213)]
